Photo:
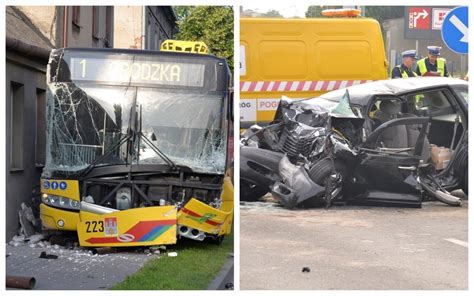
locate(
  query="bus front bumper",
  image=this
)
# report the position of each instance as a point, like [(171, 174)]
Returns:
[(139, 226)]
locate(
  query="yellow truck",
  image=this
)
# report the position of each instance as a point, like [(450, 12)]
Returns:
[(303, 58), (136, 146)]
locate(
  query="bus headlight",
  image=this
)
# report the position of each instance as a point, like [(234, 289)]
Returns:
[(61, 202)]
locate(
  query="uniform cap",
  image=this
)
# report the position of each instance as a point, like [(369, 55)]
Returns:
[(434, 50), (409, 54)]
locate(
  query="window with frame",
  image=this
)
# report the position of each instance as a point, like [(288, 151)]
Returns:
[(148, 38), (447, 121), (156, 38), (17, 97), (108, 26), (76, 16), (40, 135), (429, 103), (95, 22)]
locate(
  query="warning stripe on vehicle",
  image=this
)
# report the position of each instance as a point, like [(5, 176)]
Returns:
[(295, 86)]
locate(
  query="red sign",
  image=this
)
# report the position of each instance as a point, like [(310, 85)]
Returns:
[(419, 18), (111, 228), (438, 17)]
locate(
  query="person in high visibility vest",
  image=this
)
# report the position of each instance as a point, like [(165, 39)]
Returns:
[(404, 70), (432, 65)]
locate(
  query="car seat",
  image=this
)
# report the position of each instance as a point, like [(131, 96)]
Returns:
[(396, 136), (401, 136)]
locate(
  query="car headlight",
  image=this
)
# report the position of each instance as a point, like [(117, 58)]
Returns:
[(61, 202)]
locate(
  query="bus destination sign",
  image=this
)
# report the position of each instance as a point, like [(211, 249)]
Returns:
[(137, 72)]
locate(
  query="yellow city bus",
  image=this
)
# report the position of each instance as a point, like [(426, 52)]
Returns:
[(303, 58), (136, 147)]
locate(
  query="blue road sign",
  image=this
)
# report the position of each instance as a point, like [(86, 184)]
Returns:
[(454, 30)]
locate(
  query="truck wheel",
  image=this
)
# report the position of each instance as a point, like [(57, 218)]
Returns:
[(323, 168), (250, 191), (465, 183)]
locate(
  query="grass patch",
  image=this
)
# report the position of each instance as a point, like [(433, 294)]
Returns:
[(196, 265)]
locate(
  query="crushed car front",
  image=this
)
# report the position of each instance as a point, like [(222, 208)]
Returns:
[(359, 145)]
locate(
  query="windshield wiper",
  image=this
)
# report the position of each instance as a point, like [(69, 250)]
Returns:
[(131, 137), (103, 156), (152, 146)]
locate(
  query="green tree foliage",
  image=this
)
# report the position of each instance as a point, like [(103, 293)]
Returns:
[(382, 13), (271, 13), (182, 12), (214, 25), (315, 10)]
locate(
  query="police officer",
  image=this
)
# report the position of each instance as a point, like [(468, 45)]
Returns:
[(433, 65), (404, 70)]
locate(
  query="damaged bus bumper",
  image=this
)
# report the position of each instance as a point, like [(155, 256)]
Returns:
[(156, 225), (99, 226)]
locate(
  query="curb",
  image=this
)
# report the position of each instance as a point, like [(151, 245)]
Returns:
[(222, 277)]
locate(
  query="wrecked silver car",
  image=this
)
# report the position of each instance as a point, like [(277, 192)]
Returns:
[(391, 142)]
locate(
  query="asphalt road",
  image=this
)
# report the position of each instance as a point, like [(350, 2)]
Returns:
[(354, 247), (79, 269), (74, 269), (225, 279)]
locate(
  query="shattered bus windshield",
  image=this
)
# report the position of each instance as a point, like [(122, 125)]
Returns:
[(100, 123)]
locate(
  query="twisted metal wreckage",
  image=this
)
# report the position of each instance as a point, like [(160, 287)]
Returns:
[(318, 152)]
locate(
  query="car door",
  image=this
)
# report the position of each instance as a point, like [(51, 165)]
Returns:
[(447, 108), (391, 173)]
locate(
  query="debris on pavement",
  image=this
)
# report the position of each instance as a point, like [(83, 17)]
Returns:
[(27, 220), (35, 238), (47, 256), (306, 269), (172, 254), (229, 286), (102, 251), (20, 282), (76, 262)]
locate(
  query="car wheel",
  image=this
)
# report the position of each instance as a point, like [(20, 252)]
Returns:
[(465, 183), (250, 191), (323, 169)]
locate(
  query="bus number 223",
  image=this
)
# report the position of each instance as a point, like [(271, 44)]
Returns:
[(94, 226)]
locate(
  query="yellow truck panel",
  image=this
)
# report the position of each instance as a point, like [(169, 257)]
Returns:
[(304, 58)]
